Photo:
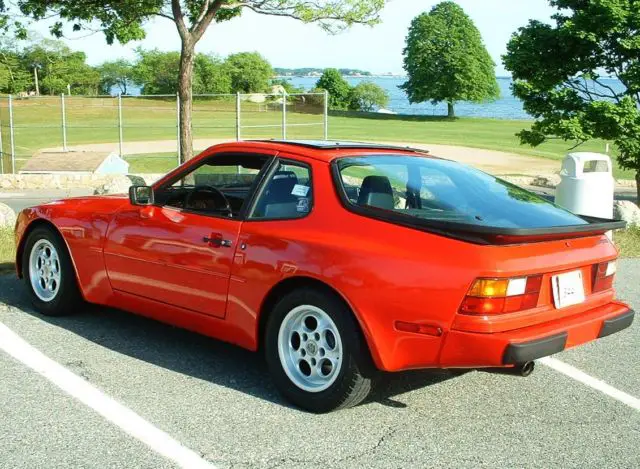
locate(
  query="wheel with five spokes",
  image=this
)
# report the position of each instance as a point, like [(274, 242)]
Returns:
[(49, 274), (316, 353)]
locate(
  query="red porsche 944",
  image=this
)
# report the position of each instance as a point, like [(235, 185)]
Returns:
[(336, 260)]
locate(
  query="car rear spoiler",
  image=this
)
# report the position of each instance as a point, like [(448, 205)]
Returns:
[(493, 235)]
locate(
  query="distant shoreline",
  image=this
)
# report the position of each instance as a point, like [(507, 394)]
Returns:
[(383, 75), (345, 76)]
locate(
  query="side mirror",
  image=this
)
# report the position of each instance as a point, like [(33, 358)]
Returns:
[(141, 195)]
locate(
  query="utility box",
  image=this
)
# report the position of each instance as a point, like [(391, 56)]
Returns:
[(587, 185)]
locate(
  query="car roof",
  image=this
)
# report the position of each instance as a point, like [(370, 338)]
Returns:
[(328, 150)]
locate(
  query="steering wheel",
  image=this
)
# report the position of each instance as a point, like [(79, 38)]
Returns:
[(224, 206)]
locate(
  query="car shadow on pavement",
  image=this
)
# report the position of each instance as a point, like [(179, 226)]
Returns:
[(192, 354)]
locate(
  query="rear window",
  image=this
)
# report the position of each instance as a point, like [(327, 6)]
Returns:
[(444, 191)]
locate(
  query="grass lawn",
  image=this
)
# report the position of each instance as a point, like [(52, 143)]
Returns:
[(95, 120), (158, 163), (628, 242), (7, 250)]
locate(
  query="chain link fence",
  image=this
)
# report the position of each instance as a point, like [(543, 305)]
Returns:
[(130, 125)]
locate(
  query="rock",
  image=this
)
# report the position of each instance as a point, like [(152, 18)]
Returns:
[(257, 98), (549, 181), (627, 211), (519, 180), (7, 216), (136, 180), (627, 183), (115, 185), (152, 178), (277, 89)]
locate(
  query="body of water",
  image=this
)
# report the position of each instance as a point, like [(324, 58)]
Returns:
[(506, 107)]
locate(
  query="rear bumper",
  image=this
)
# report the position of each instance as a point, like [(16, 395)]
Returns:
[(475, 350)]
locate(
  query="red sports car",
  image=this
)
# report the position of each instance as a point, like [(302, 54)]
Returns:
[(336, 260)]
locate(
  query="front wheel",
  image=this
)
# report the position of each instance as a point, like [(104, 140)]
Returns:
[(315, 352), (49, 274)]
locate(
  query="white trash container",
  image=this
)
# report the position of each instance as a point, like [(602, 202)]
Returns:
[(587, 185)]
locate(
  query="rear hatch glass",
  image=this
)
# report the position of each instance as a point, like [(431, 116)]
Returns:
[(429, 192), (435, 189)]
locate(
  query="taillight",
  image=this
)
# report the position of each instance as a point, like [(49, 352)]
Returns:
[(604, 274), (502, 295)]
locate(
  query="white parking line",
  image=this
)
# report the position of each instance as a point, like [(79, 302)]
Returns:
[(592, 382), (89, 395)]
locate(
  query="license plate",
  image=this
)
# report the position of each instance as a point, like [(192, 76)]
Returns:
[(568, 289)]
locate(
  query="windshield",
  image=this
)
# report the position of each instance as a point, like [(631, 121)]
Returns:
[(440, 190)]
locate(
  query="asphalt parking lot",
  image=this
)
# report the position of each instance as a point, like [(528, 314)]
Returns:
[(217, 401)]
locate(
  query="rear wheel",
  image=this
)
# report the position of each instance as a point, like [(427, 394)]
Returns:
[(315, 352), (49, 274)]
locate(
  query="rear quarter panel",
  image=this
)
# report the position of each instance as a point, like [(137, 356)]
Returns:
[(83, 224)]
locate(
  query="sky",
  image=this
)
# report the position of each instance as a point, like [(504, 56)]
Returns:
[(291, 44)]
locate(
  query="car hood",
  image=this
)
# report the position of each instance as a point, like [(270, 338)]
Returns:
[(103, 204)]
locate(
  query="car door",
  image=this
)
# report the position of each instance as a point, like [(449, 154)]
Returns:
[(180, 250)]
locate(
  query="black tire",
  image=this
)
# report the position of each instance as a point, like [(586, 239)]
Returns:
[(67, 299), (354, 379)]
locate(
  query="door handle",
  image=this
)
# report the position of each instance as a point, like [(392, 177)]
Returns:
[(217, 241)]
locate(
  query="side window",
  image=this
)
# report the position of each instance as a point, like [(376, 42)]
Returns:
[(219, 186), (287, 194), (220, 176)]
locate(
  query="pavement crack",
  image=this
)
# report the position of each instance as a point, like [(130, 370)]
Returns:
[(279, 462)]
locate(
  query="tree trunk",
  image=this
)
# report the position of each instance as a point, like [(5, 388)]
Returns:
[(185, 83), (452, 112), (638, 188)]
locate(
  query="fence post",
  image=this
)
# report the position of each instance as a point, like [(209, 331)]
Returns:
[(238, 116), (64, 123), (178, 127), (11, 136), (284, 114), (120, 125), (326, 115)]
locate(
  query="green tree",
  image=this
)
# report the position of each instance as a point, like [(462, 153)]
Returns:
[(124, 21), (367, 96), (446, 59), (59, 67), (338, 88), (210, 76), (157, 71), (116, 74), (561, 73), (14, 77), (249, 72)]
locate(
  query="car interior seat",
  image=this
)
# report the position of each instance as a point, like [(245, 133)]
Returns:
[(376, 192), (279, 202)]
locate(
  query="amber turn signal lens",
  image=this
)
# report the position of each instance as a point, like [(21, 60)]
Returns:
[(489, 288), (426, 329)]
